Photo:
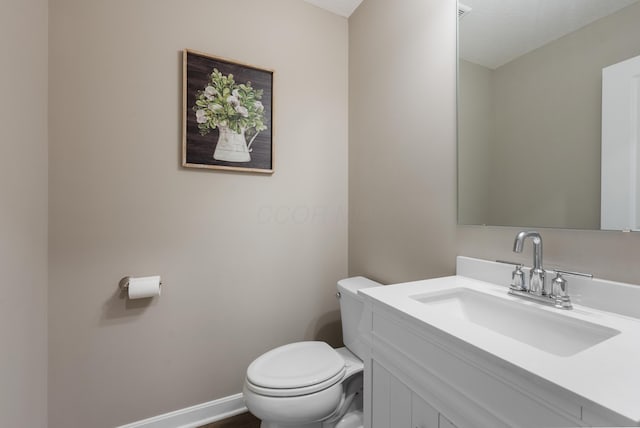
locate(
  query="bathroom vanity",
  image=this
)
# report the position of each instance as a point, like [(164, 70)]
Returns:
[(460, 352)]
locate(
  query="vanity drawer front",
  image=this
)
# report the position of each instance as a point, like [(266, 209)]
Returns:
[(511, 404)]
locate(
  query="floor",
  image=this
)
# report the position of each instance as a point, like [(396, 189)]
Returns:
[(245, 420)]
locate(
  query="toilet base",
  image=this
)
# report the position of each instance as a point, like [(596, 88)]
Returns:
[(353, 419)]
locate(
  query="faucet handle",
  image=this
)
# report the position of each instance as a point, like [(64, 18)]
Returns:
[(517, 276), (568, 272), (560, 288), (559, 285), (509, 263)]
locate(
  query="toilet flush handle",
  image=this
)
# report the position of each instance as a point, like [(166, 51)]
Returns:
[(338, 295)]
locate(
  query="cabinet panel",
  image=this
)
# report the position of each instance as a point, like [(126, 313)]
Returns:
[(400, 404), (391, 400), (422, 414), (445, 423), (380, 397)]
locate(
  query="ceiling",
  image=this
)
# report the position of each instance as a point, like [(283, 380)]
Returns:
[(340, 7), (496, 32)]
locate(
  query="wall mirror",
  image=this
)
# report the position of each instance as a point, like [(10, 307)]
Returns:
[(549, 113)]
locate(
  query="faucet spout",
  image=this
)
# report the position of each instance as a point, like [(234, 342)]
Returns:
[(537, 290), (518, 246), (536, 282)]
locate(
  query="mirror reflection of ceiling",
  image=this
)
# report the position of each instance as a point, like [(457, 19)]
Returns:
[(522, 26)]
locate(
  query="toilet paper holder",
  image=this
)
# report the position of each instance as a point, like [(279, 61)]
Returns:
[(124, 283)]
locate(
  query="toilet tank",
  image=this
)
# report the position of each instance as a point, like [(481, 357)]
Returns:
[(351, 306)]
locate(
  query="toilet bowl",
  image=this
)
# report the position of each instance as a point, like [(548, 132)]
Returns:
[(310, 384), (303, 386)]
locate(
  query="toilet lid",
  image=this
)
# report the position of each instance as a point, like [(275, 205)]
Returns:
[(296, 365)]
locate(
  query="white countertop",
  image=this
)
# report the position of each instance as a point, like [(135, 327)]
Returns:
[(607, 374)]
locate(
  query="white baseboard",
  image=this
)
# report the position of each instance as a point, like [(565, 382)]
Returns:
[(195, 416)]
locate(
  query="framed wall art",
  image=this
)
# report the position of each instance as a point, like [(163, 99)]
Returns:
[(227, 119)]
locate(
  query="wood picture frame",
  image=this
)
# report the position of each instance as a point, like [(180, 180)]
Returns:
[(227, 114)]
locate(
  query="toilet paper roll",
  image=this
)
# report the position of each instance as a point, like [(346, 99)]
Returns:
[(143, 287)]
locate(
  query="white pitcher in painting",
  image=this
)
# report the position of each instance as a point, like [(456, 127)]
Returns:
[(232, 146)]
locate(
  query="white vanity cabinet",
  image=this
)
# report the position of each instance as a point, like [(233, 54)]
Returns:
[(420, 377), (395, 405)]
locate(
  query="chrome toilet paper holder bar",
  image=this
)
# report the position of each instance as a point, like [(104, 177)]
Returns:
[(124, 282)]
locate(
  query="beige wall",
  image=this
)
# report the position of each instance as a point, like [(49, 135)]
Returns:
[(402, 154), (392, 238), (23, 214), (249, 261)]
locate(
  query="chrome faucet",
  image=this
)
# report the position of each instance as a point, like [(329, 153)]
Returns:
[(536, 290), (536, 278)]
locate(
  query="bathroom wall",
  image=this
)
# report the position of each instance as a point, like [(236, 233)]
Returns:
[(249, 261), (23, 214), (402, 190), (402, 153)]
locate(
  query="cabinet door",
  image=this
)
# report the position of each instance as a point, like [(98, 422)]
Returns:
[(445, 423), (422, 414), (391, 400)]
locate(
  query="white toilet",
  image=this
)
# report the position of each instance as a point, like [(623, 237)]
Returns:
[(310, 384)]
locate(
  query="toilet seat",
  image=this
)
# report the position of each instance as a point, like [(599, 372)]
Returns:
[(296, 369), (295, 392)]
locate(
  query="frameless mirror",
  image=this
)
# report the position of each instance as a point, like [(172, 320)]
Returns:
[(543, 139)]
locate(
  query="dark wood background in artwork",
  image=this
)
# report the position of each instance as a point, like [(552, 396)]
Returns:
[(199, 148)]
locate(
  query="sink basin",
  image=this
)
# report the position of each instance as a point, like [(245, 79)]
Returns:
[(551, 332)]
